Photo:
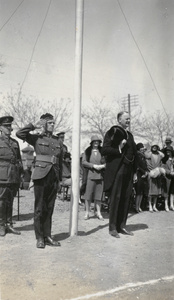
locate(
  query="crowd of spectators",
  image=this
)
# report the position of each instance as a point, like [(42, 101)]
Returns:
[(153, 190), (155, 177)]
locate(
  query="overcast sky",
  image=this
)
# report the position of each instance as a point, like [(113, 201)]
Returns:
[(128, 49)]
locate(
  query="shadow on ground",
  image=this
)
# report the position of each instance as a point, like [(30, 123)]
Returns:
[(136, 227), (23, 217)]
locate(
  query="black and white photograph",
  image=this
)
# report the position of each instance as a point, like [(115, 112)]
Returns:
[(86, 149)]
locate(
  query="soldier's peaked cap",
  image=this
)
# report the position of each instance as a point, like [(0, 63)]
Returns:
[(6, 120), (47, 116), (60, 133)]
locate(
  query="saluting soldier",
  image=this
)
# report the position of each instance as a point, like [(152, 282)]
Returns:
[(10, 169), (46, 175)]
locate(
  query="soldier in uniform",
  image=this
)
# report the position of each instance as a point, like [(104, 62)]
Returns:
[(10, 167), (46, 175), (61, 137)]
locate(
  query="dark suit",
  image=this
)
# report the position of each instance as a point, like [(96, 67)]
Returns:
[(118, 176), (141, 186), (46, 175)]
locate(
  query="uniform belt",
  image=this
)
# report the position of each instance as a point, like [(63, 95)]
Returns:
[(47, 158), (12, 160), (5, 157)]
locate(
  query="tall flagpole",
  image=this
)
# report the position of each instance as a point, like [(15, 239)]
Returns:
[(75, 171)]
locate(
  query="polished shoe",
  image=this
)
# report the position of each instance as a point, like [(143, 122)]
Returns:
[(10, 229), (124, 231), (2, 230), (114, 233), (40, 243), (50, 242)]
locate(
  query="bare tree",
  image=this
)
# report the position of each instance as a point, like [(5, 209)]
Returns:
[(28, 109), (154, 127), (98, 117)]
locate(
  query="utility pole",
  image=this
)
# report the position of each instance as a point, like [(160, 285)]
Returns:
[(129, 110), (129, 102), (75, 171)]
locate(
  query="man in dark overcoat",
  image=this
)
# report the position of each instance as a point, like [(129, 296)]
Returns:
[(10, 170), (46, 175), (119, 150)]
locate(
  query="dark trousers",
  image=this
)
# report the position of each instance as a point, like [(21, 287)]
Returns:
[(7, 194), (120, 197), (45, 191)]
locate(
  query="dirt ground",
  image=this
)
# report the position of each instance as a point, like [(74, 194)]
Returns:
[(92, 264)]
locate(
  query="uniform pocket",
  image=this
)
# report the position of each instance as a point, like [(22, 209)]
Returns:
[(4, 150), (4, 171), (43, 147), (41, 164)]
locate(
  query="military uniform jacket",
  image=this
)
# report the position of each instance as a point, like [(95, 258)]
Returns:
[(48, 152), (10, 161)]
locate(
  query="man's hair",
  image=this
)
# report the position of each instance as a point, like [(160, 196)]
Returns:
[(120, 114)]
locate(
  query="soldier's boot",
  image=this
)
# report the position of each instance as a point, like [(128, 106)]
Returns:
[(2, 230), (10, 229)]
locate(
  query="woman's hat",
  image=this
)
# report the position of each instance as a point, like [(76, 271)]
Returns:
[(140, 146), (95, 138), (155, 143)]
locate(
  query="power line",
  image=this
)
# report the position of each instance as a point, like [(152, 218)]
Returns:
[(11, 15), (34, 47), (143, 58), (127, 103)]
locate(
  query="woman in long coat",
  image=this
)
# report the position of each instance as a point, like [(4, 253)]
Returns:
[(93, 162)]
